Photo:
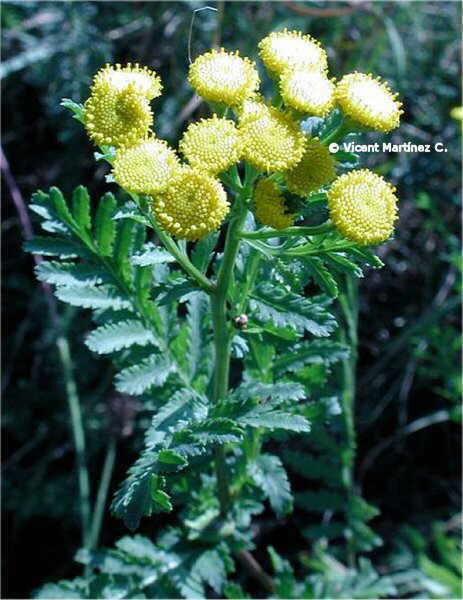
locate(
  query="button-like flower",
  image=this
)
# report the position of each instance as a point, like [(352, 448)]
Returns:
[(118, 78), (269, 205), (254, 105), (211, 144), (271, 139), (146, 168), (291, 49), (117, 117), (368, 102), (363, 206), (193, 205), (223, 77), (316, 168), (307, 91)]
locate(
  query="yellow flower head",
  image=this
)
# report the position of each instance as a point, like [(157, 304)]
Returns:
[(363, 206), (291, 49), (146, 168), (368, 102), (269, 205), (254, 105), (271, 140), (117, 118), (193, 205), (316, 168), (307, 91), (457, 113), (211, 144), (223, 77), (118, 78)]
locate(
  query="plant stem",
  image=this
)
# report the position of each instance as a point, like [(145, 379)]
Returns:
[(349, 307), (290, 231), (183, 259), (102, 495), (223, 337), (78, 435)]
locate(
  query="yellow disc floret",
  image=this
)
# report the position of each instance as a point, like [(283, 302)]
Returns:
[(291, 49), (193, 205), (269, 205), (316, 168), (117, 118), (146, 168), (363, 206), (368, 102), (307, 91), (271, 139), (118, 78), (223, 77), (211, 144)]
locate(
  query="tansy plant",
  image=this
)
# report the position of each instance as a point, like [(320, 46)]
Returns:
[(232, 248)]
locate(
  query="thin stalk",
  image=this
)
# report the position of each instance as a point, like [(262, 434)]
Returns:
[(79, 437), (102, 494), (222, 336), (349, 307), (183, 259), (288, 232)]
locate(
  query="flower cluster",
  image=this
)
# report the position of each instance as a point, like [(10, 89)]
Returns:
[(188, 198)]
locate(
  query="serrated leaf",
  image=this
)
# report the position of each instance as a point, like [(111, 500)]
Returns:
[(169, 457), (180, 290), (131, 211), (284, 308), (123, 247), (77, 110), (112, 337), (277, 391), (105, 228), (316, 352), (161, 500), (100, 297), (198, 346), (152, 371), (266, 416), (212, 431), (61, 208), (322, 276), (202, 252), (152, 255), (183, 407), (343, 264), (54, 246), (211, 568), (69, 274), (81, 207), (270, 476)]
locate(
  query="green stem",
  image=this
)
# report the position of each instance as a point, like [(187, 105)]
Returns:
[(288, 232), (223, 337), (182, 258), (102, 495), (349, 306), (78, 435)]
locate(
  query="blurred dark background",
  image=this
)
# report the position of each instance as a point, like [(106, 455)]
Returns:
[(408, 400)]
